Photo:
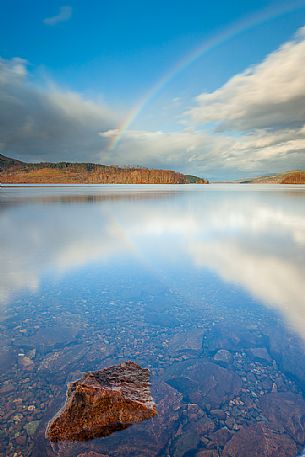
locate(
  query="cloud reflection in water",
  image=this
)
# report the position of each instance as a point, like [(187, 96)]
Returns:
[(254, 239)]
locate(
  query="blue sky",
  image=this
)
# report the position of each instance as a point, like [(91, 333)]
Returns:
[(109, 55)]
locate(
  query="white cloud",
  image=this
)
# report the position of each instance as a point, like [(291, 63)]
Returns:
[(268, 95), (65, 13)]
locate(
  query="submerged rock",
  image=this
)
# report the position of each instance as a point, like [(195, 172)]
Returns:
[(223, 356), (31, 427), (204, 383), (259, 441), (102, 402), (260, 354), (285, 412)]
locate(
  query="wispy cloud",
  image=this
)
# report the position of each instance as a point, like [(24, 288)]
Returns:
[(210, 154), (65, 13)]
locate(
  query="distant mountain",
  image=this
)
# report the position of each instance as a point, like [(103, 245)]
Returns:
[(17, 172), (289, 177), (7, 162)]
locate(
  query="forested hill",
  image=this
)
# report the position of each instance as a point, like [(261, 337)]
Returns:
[(17, 172), (289, 177)]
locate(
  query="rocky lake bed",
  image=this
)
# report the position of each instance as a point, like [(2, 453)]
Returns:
[(214, 384), (227, 372)]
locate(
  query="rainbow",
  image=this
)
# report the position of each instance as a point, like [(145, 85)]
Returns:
[(229, 32)]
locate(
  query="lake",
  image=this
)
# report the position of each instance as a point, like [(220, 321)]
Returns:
[(202, 284)]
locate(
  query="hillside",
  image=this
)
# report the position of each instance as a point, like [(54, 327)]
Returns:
[(289, 177), (16, 172)]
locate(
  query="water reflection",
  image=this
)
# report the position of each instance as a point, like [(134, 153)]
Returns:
[(190, 281), (259, 244), (254, 239)]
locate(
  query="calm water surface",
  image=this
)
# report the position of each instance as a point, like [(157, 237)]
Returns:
[(205, 285)]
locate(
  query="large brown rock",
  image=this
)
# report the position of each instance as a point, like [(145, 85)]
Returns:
[(102, 402), (150, 438), (259, 441), (285, 412)]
